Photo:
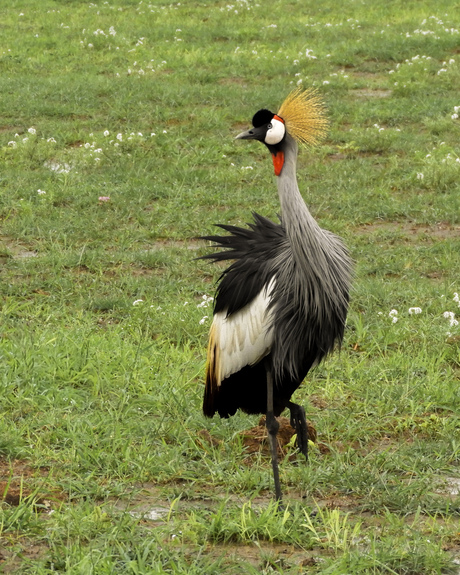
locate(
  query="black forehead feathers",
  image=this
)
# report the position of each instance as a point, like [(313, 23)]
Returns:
[(261, 118)]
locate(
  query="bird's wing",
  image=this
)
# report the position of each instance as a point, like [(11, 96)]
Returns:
[(241, 333), (240, 339), (253, 251)]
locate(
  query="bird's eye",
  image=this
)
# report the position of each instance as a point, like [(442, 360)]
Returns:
[(275, 132)]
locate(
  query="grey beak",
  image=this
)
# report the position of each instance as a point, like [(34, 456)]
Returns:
[(249, 135), (253, 134)]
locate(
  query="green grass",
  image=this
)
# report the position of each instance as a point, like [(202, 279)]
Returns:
[(104, 464)]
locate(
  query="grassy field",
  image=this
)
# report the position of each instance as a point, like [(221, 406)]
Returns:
[(116, 147)]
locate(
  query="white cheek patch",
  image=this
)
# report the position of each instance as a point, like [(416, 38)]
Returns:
[(276, 133)]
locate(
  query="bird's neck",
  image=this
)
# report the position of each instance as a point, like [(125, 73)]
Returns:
[(301, 227)]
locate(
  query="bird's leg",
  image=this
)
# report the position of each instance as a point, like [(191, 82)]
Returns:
[(272, 428), (299, 423)]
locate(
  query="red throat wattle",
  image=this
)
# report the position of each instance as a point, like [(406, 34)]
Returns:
[(278, 162)]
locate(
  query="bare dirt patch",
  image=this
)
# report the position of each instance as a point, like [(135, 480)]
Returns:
[(360, 74), (187, 244), (10, 562), (75, 144), (412, 231), (19, 481), (268, 557), (255, 439), (9, 128), (22, 484), (371, 93), (11, 248)]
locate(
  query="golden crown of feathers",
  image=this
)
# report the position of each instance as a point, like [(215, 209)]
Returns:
[(304, 115)]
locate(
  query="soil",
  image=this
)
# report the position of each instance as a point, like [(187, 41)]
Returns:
[(255, 439), (413, 231), (20, 483)]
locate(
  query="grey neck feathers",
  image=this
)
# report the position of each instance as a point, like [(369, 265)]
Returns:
[(319, 256), (300, 225)]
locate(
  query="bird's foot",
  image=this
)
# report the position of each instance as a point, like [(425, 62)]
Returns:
[(299, 423)]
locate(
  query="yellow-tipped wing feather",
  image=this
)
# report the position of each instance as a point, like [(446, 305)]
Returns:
[(238, 340)]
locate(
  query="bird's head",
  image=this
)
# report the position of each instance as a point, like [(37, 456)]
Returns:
[(301, 115)]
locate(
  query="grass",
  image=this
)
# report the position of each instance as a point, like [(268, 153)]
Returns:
[(116, 144)]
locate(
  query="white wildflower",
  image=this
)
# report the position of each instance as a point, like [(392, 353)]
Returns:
[(203, 319), (41, 192), (206, 301), (32, 131), (393, 314), (451, 317), (138, 301), (106, 133), (415, 310), (58, 168)]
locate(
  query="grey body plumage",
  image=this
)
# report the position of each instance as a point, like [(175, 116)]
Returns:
[(313, 275)]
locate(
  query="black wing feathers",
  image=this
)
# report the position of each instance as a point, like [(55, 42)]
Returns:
[(254, 250)]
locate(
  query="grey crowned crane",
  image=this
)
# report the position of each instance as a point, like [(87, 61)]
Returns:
[(281, 306)]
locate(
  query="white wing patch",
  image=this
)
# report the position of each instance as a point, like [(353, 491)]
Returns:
[(243, 338)]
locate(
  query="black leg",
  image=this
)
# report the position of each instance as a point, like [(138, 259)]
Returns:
[(272, 428), (299, 423)]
